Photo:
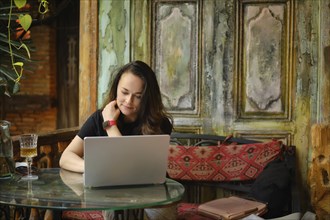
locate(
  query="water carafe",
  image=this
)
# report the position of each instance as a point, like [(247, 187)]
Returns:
[(7, 166)]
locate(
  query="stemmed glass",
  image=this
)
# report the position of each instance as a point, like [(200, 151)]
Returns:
[(28, 149)]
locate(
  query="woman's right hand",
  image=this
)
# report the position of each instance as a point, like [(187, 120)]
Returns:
[(111, 111)]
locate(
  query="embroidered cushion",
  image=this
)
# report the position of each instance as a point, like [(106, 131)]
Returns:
[(221, 163), (82, 215)]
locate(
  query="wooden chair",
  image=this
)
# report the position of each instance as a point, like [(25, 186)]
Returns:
[(50, 147)]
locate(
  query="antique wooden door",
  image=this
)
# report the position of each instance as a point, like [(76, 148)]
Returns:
[(226, 66), (237, 67)]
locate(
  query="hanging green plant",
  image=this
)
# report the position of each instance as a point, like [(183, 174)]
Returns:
[(15, 42)]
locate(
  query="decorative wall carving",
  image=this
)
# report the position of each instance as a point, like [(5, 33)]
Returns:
[(176, 54), (264, 67), (263, 61)]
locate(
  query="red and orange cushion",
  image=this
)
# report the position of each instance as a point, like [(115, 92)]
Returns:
[(221, 163), (82, 215)]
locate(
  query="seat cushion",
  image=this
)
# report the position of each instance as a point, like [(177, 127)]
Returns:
[(82, 215)]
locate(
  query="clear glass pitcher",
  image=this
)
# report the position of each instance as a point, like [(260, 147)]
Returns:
[(7, 165)]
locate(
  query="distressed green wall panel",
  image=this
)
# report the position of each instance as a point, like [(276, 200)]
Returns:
[(114, 41), (305, 105), (217, 60), (324, 78), (141, 30)]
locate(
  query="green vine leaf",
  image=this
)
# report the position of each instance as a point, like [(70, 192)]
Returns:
[(25, 21), (11, 71), (18, 64), (20, 3)]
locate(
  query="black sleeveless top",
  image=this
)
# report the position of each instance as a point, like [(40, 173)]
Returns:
[(93, 126)]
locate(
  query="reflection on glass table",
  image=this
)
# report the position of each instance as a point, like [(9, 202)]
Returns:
[(63, 190)]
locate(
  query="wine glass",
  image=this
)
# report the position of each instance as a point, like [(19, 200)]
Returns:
[(28, 149)]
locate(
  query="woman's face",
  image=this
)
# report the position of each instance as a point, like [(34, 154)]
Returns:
[(129, 95)]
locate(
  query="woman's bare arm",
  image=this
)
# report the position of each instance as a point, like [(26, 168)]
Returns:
[(72, 156), (111, 112)]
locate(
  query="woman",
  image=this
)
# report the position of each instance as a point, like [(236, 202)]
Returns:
[(133, 107)]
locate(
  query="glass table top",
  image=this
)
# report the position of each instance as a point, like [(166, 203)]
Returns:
[(61, 189)]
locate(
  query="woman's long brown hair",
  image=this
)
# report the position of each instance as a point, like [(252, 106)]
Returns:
[(152, 112)]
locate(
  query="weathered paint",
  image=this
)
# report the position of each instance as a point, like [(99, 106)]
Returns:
[(87, 59), (141, 31), (306, 83), (114, 41), (122, 38), (324, 64)]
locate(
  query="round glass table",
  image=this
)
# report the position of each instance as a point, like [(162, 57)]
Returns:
[(58, 189)]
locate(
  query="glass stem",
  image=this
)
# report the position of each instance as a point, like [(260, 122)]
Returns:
[(29, 163)]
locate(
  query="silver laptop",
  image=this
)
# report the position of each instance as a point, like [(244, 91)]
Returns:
[(125, 160)]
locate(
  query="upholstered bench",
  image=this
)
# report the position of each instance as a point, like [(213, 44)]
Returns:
[(209, 164)]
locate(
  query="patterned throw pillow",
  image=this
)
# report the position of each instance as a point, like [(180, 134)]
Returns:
[(82, 215), (221, 163)]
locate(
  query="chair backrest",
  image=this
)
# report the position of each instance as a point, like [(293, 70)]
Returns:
[(194, 139), (50, 146)]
